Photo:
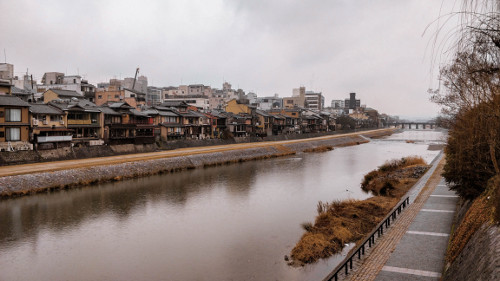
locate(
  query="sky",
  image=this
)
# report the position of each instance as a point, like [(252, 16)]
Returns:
[(377, 49)]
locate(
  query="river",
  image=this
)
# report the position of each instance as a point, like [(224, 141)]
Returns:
[(232, 222)]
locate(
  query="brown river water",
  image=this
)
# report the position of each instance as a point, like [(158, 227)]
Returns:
[(233, 222)]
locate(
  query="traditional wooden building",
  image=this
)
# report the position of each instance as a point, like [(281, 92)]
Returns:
[(14, 123), (49, 127)]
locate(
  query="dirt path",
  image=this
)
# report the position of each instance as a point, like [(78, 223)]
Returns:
[(90, 162)]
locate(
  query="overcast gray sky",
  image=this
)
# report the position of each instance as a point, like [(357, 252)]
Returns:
[(373, 48)]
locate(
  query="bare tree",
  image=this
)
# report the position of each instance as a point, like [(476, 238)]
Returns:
[(469, 92)]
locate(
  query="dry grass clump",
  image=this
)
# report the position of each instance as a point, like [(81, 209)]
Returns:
[(319, 149), (352, 143), (348, 221), (394, 177), (283, 149), (338, 223), (401, 163)]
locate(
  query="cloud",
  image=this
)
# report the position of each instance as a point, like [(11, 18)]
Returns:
[(374, 48)]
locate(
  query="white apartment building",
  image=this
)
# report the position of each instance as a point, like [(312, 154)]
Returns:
[(199, 101), (314, 100), (338, 104), (59, 81)]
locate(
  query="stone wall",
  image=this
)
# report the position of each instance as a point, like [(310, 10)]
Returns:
[(67, 153), (480, 259)]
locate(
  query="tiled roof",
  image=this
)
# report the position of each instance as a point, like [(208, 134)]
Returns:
[(19, 91), (174, 103), (261, 112), (39, 108), (12, 101), (118, 105), (108, 111), (138, 113), (66, 93)]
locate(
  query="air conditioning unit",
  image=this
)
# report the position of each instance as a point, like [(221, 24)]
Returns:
[(45, 122), (61, 122), (35, 122)]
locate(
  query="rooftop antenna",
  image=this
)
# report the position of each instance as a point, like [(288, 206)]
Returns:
[(4, 55)]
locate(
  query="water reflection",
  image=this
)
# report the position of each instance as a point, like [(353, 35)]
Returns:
[(21, 217), (233, 222)]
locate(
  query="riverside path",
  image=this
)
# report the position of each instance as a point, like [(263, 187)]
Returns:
[(111, 160), (415, 245)]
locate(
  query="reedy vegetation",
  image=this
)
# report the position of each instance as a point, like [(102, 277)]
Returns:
[(341, 222)]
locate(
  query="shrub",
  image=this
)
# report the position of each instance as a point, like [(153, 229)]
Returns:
[(307, 226), (473, 147)]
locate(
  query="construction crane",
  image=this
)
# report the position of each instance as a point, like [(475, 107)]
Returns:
[(135, 78)]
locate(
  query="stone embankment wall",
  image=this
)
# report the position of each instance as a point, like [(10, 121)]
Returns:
[(67, 153), (32, 183), (480, 259)]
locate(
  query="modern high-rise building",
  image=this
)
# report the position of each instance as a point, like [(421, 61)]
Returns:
[(352, 102)]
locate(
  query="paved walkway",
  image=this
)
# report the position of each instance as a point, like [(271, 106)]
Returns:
[(415, 245)]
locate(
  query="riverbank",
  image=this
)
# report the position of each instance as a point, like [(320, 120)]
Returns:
[(85, 152), (32, 178)]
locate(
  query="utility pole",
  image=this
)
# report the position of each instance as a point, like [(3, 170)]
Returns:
[(32, 94)]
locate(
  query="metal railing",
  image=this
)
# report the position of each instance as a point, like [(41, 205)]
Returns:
[(346, 264)]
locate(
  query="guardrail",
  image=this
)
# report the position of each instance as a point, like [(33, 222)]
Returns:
[(360, 250)]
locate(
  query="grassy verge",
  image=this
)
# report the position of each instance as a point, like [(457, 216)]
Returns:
[(342, 222)]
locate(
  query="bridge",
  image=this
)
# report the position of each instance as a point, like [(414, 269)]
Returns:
[(413, 125)]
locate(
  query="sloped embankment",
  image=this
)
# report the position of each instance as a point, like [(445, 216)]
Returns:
[(32, 183), (474, 247)]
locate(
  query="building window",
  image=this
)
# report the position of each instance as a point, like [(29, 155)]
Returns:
[(13, 134), (99, 96), (13, 115)]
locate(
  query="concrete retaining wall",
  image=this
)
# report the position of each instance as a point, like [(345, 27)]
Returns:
[(480, 259), (32, 183)]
